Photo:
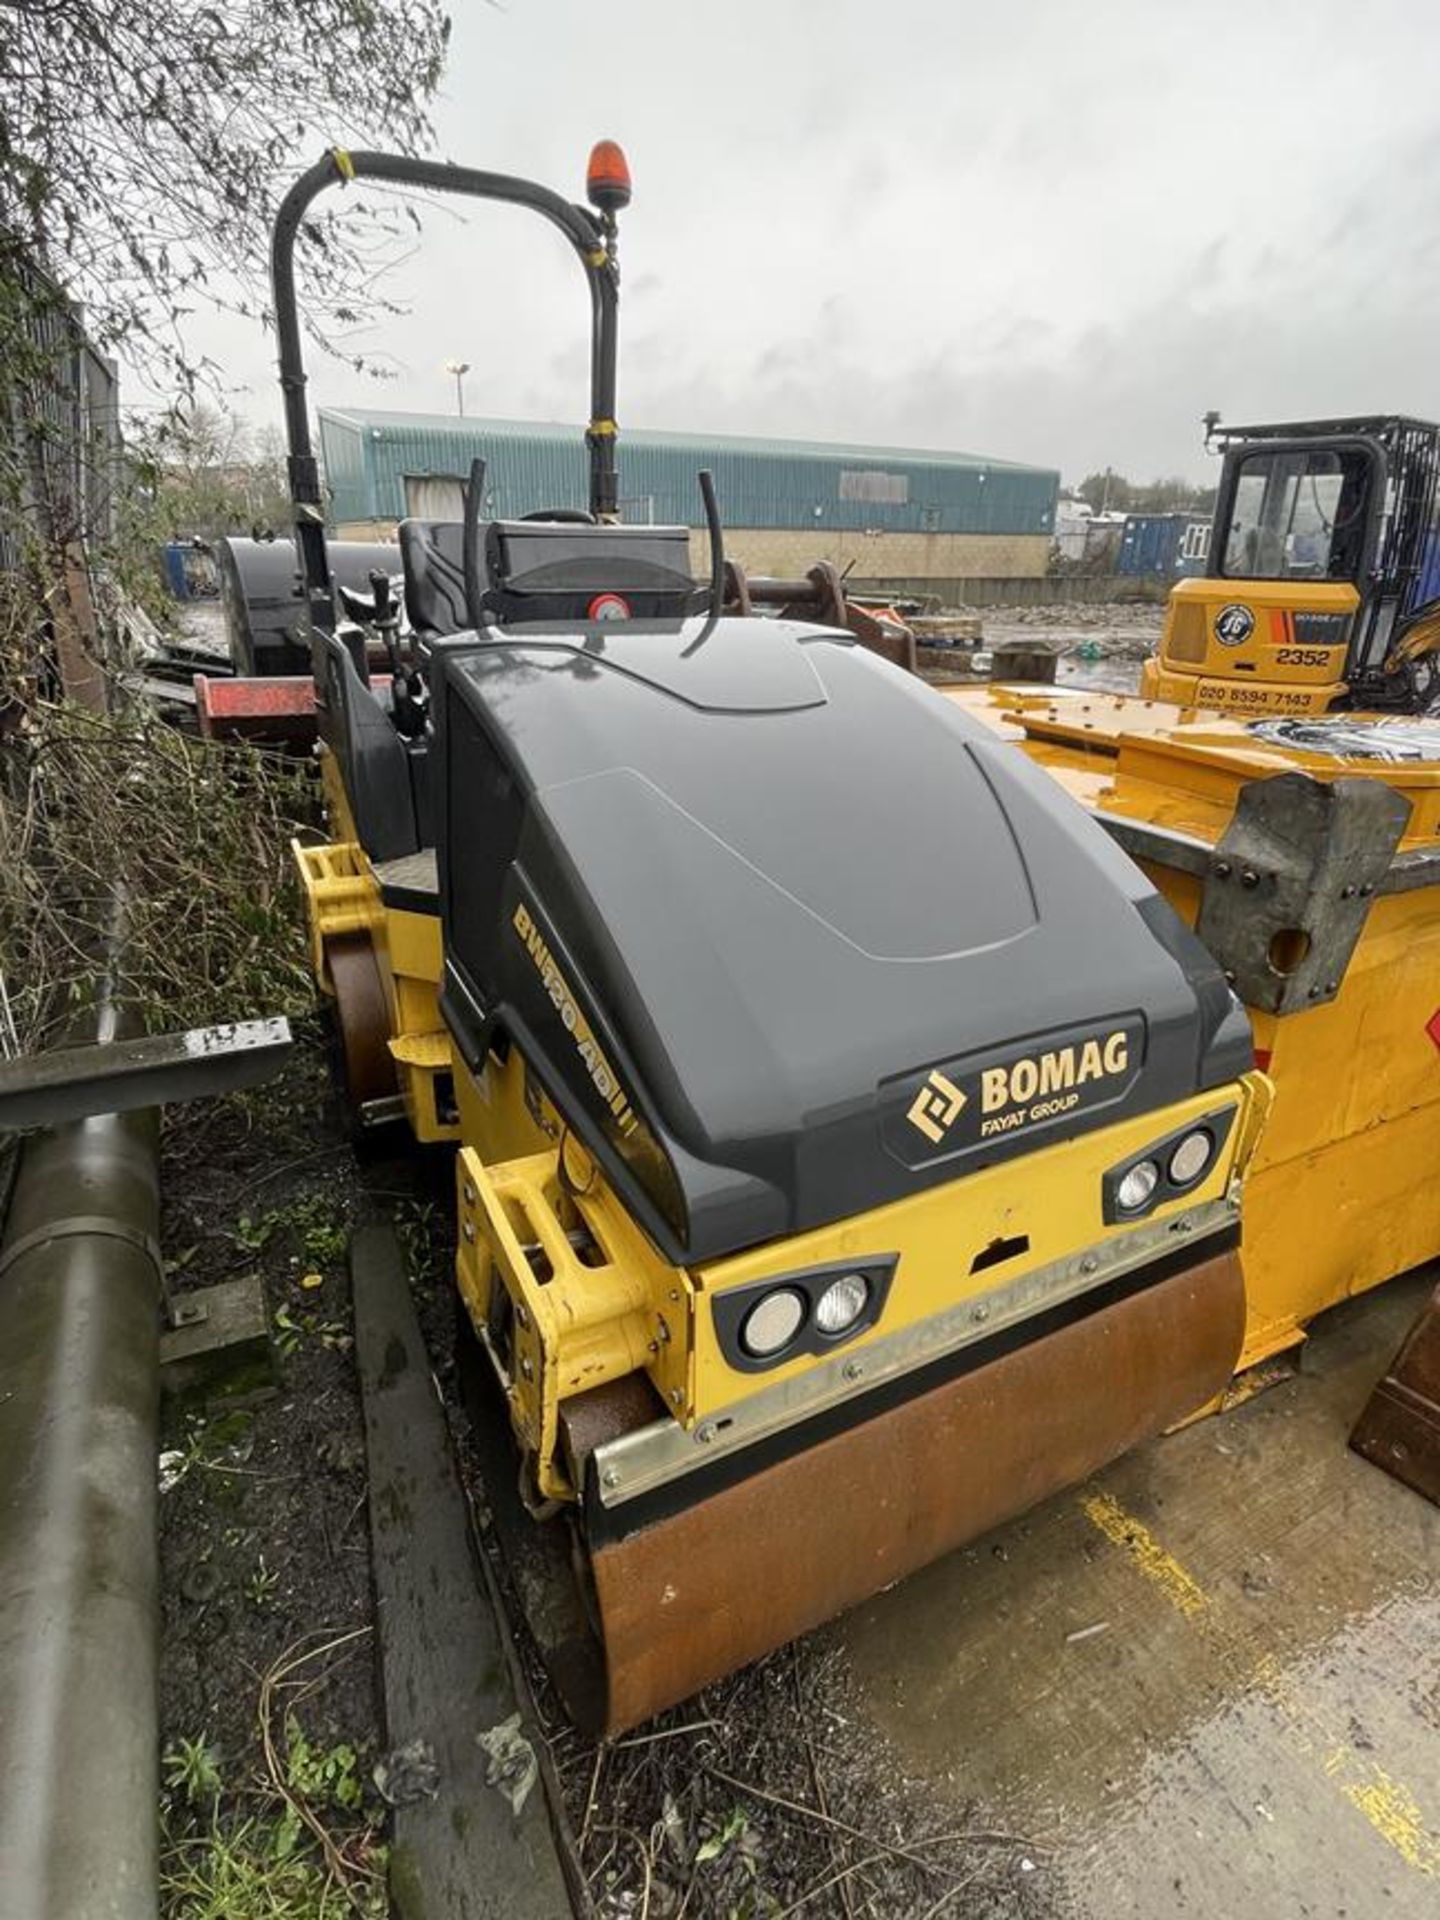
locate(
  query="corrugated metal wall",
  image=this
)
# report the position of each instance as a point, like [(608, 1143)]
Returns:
[(369, 455), (342, 449), (62, 441)]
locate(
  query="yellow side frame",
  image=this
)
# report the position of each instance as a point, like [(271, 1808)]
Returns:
[(342, 897)]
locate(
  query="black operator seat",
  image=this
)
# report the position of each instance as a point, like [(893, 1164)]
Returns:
[(543, 569), (385, 777), (432, 560)]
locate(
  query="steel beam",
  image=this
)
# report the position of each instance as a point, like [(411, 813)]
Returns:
[(50, 1089), (272, 707)]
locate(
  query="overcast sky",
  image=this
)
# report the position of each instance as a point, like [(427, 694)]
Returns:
[(1037, 231)]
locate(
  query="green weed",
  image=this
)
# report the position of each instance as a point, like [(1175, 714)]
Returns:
[(192, 1768), (311, 1221), (417, 1227), (293, 1329), (243, 1871), (720, 1841), (324, 1775), (263, 1585)]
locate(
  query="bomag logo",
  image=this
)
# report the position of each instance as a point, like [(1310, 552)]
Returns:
[(973, 1102), (936, 1107), (1040, 1086), (606, 1080)]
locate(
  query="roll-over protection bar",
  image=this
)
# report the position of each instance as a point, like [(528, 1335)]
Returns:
[(592, 236)]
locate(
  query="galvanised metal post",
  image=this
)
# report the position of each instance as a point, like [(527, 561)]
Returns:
[(80, 1290)]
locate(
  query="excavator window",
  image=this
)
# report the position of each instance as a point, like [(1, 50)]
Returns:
[(1298, 514)]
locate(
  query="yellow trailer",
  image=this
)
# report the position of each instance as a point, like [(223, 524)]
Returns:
[(1306, 855)]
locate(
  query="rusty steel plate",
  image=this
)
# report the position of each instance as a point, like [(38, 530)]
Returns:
[(1399, 1427)]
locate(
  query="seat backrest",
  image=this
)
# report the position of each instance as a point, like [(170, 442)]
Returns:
[(557, 570), (432, 555), (384, 779)]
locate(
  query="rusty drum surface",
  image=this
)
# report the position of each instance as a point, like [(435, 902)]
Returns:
[(725, 1579), (361, 1018)]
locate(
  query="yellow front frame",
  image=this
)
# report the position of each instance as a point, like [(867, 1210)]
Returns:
[(576, 1324)]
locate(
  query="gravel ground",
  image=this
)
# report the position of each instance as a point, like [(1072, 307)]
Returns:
[(767, 1794), (771, 1792), (1100, 646), (264, 1540), (1104, 645)]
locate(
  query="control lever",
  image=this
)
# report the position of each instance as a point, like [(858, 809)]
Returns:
[(409, 696)]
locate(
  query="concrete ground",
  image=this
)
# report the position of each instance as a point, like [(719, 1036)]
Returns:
[(1209, 1682)]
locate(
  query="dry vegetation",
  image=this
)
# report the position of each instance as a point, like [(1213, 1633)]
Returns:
[(186, 838)]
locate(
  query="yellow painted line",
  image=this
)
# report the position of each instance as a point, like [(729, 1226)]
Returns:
[(1386, 1803), (1391, 1809), (1180, 1588)]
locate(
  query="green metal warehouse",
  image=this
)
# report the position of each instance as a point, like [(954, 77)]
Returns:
[(886, 513)]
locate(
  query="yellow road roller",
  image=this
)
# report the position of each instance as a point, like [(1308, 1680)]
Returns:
[(849, 1138)]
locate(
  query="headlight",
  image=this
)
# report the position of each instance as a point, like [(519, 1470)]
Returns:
[(1137, 1185), (1169, 1169), (773, 1322), (1191, 1157), (842, 1303)]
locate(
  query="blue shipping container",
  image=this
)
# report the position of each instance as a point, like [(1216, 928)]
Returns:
[(1164, 545)]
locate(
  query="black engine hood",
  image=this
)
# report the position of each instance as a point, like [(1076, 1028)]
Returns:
[(784, 932)]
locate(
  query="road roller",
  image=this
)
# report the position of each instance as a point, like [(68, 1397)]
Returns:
[(849, 1140)]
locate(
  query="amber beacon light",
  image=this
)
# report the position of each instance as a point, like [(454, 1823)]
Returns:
[(607, 177)]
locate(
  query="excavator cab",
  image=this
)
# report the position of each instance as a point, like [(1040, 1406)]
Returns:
[(1323, 587)]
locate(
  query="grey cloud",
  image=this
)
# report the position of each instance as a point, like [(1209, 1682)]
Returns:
[(1039, 232)]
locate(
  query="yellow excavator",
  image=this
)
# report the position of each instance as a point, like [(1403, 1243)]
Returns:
[(1322, 589), (818, 1208), (1320, 605)]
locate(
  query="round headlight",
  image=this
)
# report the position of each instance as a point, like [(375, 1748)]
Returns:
[(1137, 1185), (773, 1322), (1191, 1157), (842, 1303)]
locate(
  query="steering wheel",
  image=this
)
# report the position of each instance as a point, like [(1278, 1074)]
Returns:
[(573, 516)]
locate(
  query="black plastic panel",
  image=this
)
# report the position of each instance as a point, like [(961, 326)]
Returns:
[(775, 918)]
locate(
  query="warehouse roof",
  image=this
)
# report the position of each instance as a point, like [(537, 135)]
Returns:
[(467, 426)]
